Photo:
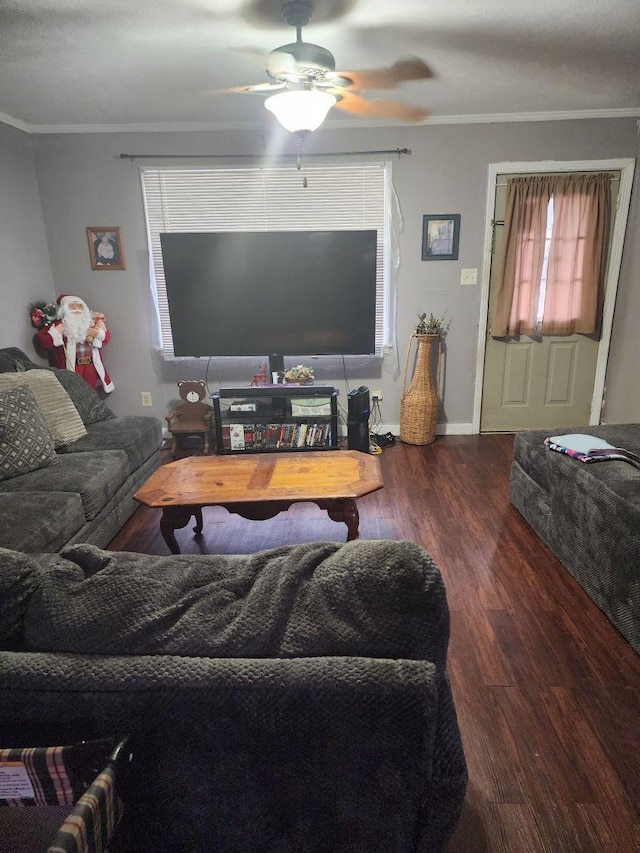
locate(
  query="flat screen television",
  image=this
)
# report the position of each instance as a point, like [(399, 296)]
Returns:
[(271, 293)]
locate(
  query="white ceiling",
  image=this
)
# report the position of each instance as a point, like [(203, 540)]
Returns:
[(120, 64)]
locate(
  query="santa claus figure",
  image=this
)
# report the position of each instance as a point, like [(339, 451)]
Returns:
[(75, 340)]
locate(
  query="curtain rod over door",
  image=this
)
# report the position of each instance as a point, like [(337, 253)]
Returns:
[(132, 157)]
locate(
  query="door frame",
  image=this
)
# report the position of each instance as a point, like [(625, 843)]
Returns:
[(626, 167)]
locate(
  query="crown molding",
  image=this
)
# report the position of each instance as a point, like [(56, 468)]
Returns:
[(564, 115), (167, 127), (491, 118), (14, 122)]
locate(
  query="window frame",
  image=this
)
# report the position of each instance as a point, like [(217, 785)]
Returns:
[(333, 197)]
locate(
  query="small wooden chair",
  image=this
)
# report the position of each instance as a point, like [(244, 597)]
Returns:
[(189, 419)]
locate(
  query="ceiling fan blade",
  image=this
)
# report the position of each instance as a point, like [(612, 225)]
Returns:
[(403, 70), (257, 88), (357, 105)]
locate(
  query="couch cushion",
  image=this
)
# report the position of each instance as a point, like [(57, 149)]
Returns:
[(25, 441), (19, 578), (140, 436), (61, 416), (365, 598), (96, 477), (89, 405), (13, 360), (39, 521)]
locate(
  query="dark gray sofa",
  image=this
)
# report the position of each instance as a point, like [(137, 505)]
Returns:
[(588, 514), (291, 700), (87, 495)]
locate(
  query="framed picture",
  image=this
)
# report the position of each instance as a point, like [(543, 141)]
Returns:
[(105, 248), (440, 236)]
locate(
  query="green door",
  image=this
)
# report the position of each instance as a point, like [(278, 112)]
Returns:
[(535, 383)]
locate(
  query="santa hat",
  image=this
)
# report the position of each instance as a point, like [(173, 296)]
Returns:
[(64, 299)]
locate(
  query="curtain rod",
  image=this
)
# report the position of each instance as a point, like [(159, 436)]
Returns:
[(132, 157), (613, 179)]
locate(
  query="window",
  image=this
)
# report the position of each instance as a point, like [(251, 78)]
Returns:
[(553, 265), (545, 265), (336, 197)]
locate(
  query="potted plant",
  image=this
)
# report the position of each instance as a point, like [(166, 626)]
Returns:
[(299, 375), (430, 325), (419, 402)]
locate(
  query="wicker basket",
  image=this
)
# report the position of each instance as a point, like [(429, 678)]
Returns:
[(419, 403)]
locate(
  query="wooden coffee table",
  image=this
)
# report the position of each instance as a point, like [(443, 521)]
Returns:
[(259, 486)]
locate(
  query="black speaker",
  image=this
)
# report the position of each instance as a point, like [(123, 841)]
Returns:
[(358, 404), (358, 436), (358, 410)]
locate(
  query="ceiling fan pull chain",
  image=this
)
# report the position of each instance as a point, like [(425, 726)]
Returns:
[(300, 155)]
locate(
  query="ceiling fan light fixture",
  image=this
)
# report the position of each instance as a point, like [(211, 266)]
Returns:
[(302, 110)]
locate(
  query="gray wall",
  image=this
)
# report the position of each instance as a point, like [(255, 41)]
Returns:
[(83, 182), (26, 270)]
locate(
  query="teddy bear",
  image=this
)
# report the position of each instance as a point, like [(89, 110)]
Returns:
[(193, 417)]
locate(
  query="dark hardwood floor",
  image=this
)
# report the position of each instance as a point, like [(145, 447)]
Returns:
[(547, 692)]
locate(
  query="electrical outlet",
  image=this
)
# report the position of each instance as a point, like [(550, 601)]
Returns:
[(145, 398), (376, 396)]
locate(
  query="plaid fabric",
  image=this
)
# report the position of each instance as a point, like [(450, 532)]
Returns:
[(83, 775), (49, 773), (91, 824)]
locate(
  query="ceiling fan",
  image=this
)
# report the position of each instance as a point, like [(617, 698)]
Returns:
[(305, 85)]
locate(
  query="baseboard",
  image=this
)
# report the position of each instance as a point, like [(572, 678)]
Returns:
[(441, 429), (455, 429)]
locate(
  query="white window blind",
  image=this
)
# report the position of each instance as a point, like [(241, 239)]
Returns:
[(337, 197)]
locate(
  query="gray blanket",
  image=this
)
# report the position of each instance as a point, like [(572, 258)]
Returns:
[(375, 599)]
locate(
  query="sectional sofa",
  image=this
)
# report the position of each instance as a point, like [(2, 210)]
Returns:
[(68, 466), (290, 700), (588, 514)]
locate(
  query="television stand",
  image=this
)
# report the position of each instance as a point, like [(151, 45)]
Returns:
[(275, 418)]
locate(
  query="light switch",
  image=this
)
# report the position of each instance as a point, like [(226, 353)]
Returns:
[(469, 276)]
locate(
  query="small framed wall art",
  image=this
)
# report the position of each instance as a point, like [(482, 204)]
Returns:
[(440, 236), (105, 248)]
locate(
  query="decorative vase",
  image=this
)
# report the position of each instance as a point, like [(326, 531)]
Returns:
[(419, 403)]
